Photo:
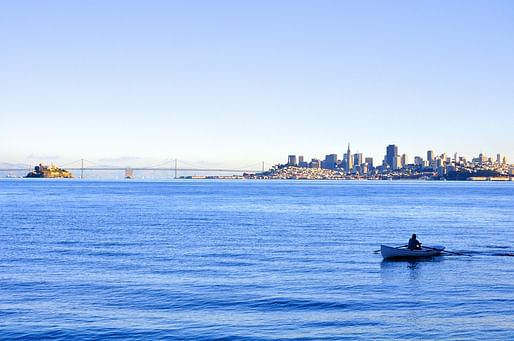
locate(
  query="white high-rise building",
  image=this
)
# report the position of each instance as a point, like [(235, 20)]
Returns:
[(397, 162), (404, 161)]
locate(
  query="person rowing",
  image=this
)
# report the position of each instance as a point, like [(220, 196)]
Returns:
[(414, 244)]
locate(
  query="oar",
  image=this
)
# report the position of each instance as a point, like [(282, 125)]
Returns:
[(398, 247), (451, 252)]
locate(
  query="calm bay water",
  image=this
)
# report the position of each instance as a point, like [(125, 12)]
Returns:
[(253, 260)]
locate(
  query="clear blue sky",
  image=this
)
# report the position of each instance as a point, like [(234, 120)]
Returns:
[(238, 82)]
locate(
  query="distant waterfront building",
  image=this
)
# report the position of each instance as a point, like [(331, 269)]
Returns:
[(357, 159), (397, 162), (391, 156), (439, 163), (291, 160), (482, 159), (349, 161), (330, 161), (498, 158), (303, 164), (365, 168), (369, 161), (418, 161), (404, 161), (430, 156), (315, 163), (431, 159)]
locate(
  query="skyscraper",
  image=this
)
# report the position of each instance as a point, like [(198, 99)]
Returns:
[(397, 162), (357, 159), (315, 163), (418, 161), (482, 159), (302, 162), (349, 160), (330, 161), (430, 155), (391, 155), (405, 161), (291, 160)]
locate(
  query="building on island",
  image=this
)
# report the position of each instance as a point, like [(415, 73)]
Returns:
[(42, 171)]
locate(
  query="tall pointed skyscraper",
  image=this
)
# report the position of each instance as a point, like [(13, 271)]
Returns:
[(349, 159)]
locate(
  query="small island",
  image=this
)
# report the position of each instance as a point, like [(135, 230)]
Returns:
[(42, 171)]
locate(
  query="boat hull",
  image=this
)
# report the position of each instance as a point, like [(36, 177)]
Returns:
[(394, 252)]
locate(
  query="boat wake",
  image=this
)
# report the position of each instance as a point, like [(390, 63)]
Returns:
[(499, 251)]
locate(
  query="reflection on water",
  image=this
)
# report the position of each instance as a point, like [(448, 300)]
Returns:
[(411, 261), (411, 268)]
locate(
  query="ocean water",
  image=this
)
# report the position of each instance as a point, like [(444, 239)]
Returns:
[(253, 260)]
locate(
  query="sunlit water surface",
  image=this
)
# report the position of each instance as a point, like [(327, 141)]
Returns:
[(253, 260)]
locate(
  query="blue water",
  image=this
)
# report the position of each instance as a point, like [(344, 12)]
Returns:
[(253, 260)]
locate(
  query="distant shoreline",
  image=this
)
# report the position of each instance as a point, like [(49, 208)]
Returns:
[(239, 178)]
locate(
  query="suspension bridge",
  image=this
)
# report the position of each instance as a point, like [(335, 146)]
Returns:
[(82, 167)]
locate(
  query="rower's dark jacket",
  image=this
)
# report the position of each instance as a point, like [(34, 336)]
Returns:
[(414, 244)]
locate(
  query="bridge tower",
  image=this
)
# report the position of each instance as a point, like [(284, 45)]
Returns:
[(129, 173)]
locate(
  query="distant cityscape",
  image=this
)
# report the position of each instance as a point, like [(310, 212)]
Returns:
[(350, 167), (393, 166)]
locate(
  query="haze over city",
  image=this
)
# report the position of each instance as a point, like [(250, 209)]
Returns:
[(236, 83)]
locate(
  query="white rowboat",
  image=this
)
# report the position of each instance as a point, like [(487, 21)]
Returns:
[(397, 252)]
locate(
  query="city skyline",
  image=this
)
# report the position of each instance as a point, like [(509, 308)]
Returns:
[(244, 82), (392, 159), (394, 165)]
